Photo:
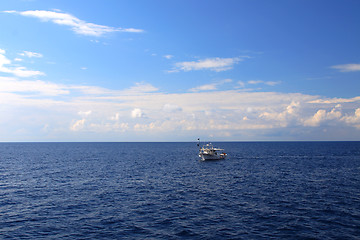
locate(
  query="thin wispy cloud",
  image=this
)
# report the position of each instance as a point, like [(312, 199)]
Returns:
[(6, 66), (172, 108), (31, 54), (213, 64), (337, 100), (255, 82), (210, 86), (354, 67), (168, 56), (14, 85), (269, 83), (77, 25), (241, 84)]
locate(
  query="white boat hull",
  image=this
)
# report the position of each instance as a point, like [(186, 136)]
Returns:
[(206, 157), (209, 152)]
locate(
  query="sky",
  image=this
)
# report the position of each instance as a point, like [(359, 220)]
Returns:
[(139, 70)]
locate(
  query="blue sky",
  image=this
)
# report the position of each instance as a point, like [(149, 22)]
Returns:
[(178, 70)]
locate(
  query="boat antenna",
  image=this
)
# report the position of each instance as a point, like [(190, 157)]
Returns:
[(198, 144)]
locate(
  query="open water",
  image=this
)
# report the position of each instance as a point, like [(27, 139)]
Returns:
[(264, 190)]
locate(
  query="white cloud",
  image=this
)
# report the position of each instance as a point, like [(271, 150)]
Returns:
[(315, 120), (213, 64), (77, 25), (241, 84), (353, 67), (336, 100), (23, 72), (353, 119), (85, 113), (26, 87), (255, 81), (284, 116), (31, 54), (78, 125), (321, 116), (210, 87), (137, 113), (116, 117), (3, 60), (138, 89), (17, 71), (270, 83), (144, 127), (171, 108), (90, 90), (168, 56), (13, 85), (206, 87)]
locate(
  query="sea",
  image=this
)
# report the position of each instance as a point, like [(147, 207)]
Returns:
[(263, 190)]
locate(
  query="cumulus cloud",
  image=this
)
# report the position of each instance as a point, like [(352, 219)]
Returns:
[(353, 119), (137, 113), (213, 64), (116, 117), (321, 116), (315, 120), (353, 67), (283, 117), (77, 25)]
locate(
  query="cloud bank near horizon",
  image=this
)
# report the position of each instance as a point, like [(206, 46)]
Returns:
[(143, 110)]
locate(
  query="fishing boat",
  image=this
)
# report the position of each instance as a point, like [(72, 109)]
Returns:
[(209, 152)]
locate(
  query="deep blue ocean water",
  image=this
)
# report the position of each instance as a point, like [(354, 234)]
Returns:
[(264, 190)]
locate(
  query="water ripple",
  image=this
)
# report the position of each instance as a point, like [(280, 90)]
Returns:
[(113, 191)]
